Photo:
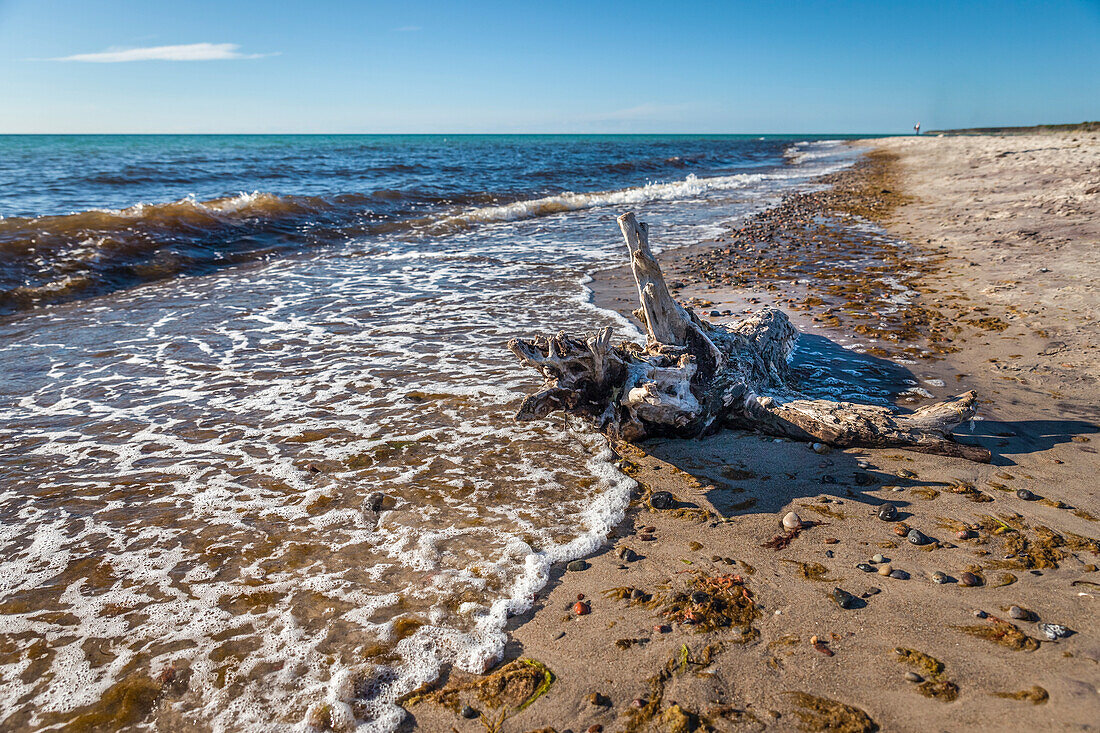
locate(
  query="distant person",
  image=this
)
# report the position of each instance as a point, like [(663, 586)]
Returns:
[(916, 128)]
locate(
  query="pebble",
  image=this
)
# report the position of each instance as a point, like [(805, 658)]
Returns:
[(916, 537), (1025, 495), (820, 448), (581, 608), (638, 703), (827, 479), (595, 728), (939, 577), (627, 554), (865, 567), (376, 501), (1053, 631), (1018, 613), (828, 553), (962, 534), (661, 500), (913, 677), (969, 580), (468, 712), (864, 479), (699, 597), (577, 566), (715, 314), (885, 569), (792, 521), (649, 530), (878, 559), (906, 474), (901, 529), (662, 629), (842, 598), (981, 614), (899, 575), (872, 591), (831, 540), (637, 595), (888, 513)]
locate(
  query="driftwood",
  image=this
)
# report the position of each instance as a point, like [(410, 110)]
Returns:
[(692, 378)]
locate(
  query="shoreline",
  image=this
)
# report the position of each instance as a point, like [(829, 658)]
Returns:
[(790, 657)]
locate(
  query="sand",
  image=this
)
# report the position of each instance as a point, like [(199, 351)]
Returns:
[(1007, 229)]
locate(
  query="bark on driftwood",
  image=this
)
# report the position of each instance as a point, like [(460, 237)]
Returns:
[(693, 377)]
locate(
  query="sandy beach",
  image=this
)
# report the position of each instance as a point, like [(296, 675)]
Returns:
[(709, 616)]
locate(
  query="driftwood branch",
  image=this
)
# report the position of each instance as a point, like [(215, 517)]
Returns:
[(693, 377)]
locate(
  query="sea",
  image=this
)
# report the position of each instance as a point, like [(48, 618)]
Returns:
[(258, 462)]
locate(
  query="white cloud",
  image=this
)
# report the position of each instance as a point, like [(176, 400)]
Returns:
[(187, 52)]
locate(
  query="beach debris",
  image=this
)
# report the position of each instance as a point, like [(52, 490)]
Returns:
[(1025, 495), (1053, 632), (468, 712), (780, 541), (594, 728), (692, 375), (1035, 695), (913, 677), (885, 569), (933, 681), (916, 537), (939, 577), (899, 575), (627, 555), (1020, 614), (581, 608), (878, 558), (823, 714), (598, 699), (710, 602), (888, 513), (376, 501), (865, 567), (792, 521), (809, 570), (577, 566)]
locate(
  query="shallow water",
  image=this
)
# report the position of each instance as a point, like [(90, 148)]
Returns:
[(191, 435)]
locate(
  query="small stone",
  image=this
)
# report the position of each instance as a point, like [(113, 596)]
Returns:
[(939, 577), (842, 598), (1025, 495), (962, 534), (888, 513), (792, 520), (1053, 632), (864, 479), (981, 614), (878, 559), (828, 553), (1018, 613), (313, 468), (865, 567), (376, 501), (662, 629), (916, 537), (598, 700), (899, 575), (820, 448), (581, 608), (661, 500), (595, 728), (699, 597), (649, 530), (885, 569), (831, 540), (577, 566), (638, 703), (901, 529), (637, 595), (468, 712), (969, 580), (827, 479), (715, 314), (872, 591), (627, 554), (903, 473), (913, 677)]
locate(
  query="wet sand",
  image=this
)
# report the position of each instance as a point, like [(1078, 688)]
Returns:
[(992, 242)]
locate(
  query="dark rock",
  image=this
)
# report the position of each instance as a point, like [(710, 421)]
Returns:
[(627, 554), (899, 575), (661, 500), (963, 534), (939, 577), (842, 598), (916, 537), (888, 512), (468, 712), (864, 479), (872, 591), (699, 597), (981, 614), (1025, 495), (969, 580), (828, 553), (577, 566), (865, 567), (827, 479), (376, 501), (715, 314), (1019, 613)]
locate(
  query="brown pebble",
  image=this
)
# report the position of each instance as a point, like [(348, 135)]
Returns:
[(969, 580), (649, 530), (581, 608), (831, 540), (580, 596), (901, 529), (595, 728), (963, 534)]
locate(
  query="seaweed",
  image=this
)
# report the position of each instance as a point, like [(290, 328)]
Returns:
[(823, 714), (926, 492), (1002, 632), (825, 511), (936, 685), (709, 603), (1035, 695), (514, 686), (810, 570), (1004, 579), (780, 541), (680, 662)]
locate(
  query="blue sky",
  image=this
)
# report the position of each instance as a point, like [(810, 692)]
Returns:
[(721, 67)]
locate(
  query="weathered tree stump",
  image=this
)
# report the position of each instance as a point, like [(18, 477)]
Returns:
[(692, 378)]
